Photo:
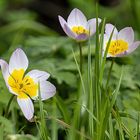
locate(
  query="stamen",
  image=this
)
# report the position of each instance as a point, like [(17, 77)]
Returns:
[(28, 84), (21, 85), (80, 30), (26, 80), (117, 47)]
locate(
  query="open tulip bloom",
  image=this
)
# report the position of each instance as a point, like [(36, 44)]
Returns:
[(77, 26), (122, 42), (26, 86)]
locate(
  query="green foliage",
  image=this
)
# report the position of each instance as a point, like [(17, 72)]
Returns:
[(77, 111)]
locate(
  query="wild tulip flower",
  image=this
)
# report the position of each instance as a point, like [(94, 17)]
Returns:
[(26, 86), (122, 42), (77, 26)]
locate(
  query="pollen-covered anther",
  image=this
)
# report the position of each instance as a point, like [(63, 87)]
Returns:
[(22, 85), (80, 30), (117, 47)]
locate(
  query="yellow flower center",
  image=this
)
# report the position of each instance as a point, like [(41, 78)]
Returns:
[(24, 87), (118, 46), (80, 30)]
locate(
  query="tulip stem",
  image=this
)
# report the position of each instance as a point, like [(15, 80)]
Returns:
[(81, 57), (8, 106)]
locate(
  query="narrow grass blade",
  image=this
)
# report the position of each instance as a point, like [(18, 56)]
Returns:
[(77, 109), (111, 133), (104, 56), (43, 127), (138, 123), (109, 106), (54, 125), (63, 109)]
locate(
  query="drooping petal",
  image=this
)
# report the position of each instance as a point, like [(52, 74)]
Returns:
[(126, 34), (91, 25), (38, 75), (82, 37), (5, 70), (108, 30), (26, 106), (76, 18), (65, 27), (18, 60), (47, 90)]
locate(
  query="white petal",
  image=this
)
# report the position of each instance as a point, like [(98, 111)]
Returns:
[(105, 41), (91, 25), (27, 107), (66, 28), (127, 34), (76, 18), (5, 73), (18, 60), (38, 75), (108, 30), (133, 47), (5, 70), (62, 21), (47, 90), (69, 32)]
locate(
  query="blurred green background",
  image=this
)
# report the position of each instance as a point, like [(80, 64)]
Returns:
[(33, 25)]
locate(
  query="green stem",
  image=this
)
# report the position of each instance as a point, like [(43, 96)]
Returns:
[(109, 74), (43, 128), (81, 56), (8, 105)]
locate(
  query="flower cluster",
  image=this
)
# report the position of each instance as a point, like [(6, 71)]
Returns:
[(29, 86), (77, 27)]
